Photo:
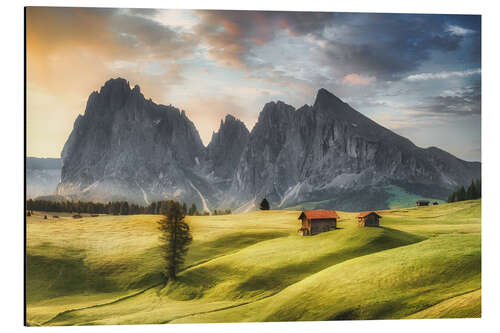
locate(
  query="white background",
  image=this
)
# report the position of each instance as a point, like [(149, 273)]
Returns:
[(12, 145)]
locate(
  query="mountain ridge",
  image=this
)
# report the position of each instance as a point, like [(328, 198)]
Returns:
[(127, 147)]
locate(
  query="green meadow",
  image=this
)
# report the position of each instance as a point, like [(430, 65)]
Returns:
[(423, 262)]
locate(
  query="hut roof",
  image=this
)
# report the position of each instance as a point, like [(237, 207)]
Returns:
[(364, 214), (319, 214)]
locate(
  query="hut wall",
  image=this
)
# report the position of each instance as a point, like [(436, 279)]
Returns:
[(371, 220), (304, 230), (322, 225)]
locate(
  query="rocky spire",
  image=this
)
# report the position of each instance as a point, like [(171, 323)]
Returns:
[(324, 97), (225, 148)]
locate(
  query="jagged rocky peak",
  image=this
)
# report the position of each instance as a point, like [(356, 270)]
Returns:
[(115, 89), (277, 106), (230, 120), (274, 114), (329, 105), (115, 83), (225, 148), (324, 98), (230, 128), (111, 97), (127, 147)]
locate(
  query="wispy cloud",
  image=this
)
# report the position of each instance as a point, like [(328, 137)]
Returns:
[(443, 75), (459, 31), (460, 102)]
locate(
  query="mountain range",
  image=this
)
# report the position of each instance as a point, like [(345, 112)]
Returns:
[(325, 155)]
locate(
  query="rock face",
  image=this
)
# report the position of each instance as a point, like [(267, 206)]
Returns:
[(127, 147), (224, 151), (331, 153)]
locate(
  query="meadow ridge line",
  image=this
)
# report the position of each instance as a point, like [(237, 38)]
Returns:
[(231, 306), (227, 254), (224, 308), (102, 304), (279, 291), (444, 300), (151, 287), (216, 310)]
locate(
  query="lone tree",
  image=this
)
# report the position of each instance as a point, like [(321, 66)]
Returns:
[(175, 238), (264, 204)]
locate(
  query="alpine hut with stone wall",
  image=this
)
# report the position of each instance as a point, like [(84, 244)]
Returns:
[(317, 221), (369, 219)]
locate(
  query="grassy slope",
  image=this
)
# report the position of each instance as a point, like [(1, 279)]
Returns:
[(397, 197), (466, 305), (388, 284), (74, 263), (401, 198), (253, 267)]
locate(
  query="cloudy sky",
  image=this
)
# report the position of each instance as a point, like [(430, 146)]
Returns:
[(419, 75)]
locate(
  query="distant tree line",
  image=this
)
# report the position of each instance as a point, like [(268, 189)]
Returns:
[(113, 207), (71, 206), (472, 192), (221, 212)]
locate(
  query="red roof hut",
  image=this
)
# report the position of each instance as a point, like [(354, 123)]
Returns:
[(368, 219), (317, 221)]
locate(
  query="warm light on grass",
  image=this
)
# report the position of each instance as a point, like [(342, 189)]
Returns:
[(423, 262)]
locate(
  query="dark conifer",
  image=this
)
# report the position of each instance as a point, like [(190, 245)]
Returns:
[(175, 238), (264, 204)]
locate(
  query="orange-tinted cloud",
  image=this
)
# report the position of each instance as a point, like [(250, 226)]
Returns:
[(72, 51), (58, 39), (357, 79)]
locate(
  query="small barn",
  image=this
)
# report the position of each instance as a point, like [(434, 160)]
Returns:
[(317, 221), (422, 203), (369, 219)]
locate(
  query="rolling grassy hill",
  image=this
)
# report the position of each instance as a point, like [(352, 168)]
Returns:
[(422, 263)]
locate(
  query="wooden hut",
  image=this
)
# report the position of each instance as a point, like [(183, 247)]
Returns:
[(422, 203), (317, 221), (369, 219)]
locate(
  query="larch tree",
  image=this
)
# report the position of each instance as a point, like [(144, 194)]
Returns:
[(175, 239)]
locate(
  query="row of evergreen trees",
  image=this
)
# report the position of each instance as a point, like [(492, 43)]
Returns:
[(113, 207), (73, 206), (471, 193)]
